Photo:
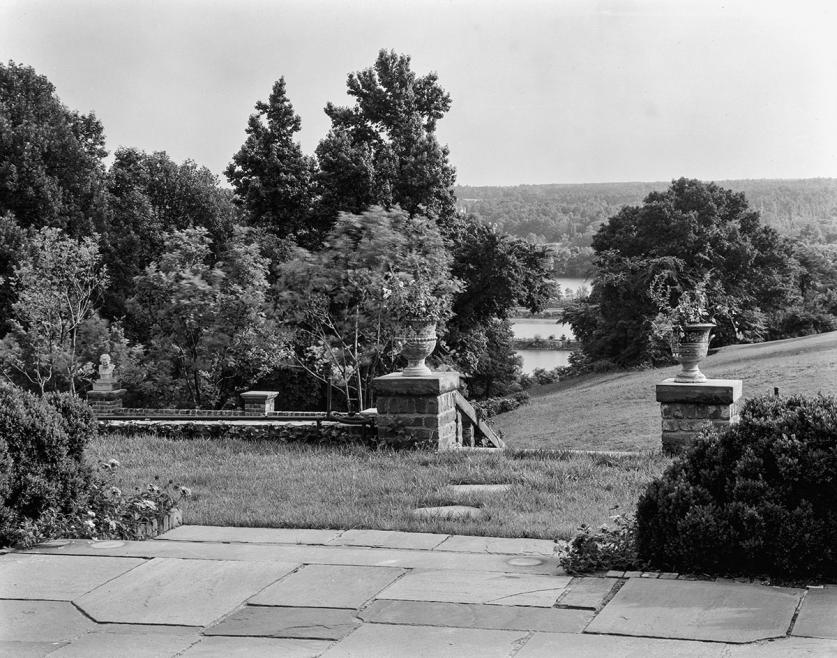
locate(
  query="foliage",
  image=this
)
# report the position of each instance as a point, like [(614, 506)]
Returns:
[(691, 308), (309, 433), (693, 232), (346, 302), (756, 500), (498, 365), (603, 549), (51, 171), (499, 405), (272, 179), (41, 465), (151, 195), (383, 150), (57, 283), (211, 337)]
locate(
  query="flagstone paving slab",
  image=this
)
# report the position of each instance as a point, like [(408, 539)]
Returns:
[(255, 647), (388, 641), (786, 647), (41, 621), (250, 535), (488, 489), (503, 545), (389, 539), (128, 642), (698, 610), (448, 512), (328, 586), (180, 592), (27, 649), (58, 577), (564, 645), (818, 615), (349, 555), (587, 592), (478, 587), (473, 615), (302, 623)]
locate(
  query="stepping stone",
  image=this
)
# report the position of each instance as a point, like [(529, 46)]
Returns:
[(697, 610), (448, 512), (818, 616), (508, 546), (256, 647), (472, 615), (328, 586), (58, 577), (41, 621), (250, 535), (478, 587), (553, 645), (389, 539), (408, 641), (302, 623), (478, 488), (180, 592), (131, 642), (587, 592), (27, 649)]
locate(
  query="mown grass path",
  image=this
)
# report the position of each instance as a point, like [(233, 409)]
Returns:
[(617, 411)]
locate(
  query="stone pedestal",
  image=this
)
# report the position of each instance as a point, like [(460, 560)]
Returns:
[(419, 410), (687, 408), (258, 402), (105, 402)]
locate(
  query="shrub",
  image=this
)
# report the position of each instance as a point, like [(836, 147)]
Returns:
[(41, 465), (602, 550), (755, 500), (500, 405)]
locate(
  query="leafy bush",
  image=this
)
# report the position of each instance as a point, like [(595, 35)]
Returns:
[(602, 550), (500, 405), (755, 500), (41, 458)]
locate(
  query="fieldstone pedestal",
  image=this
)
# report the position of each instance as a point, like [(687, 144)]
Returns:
[(106, 397), (419, 410), (688, 408)]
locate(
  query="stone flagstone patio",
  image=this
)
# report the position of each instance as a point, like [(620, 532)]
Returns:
[(206, 591)]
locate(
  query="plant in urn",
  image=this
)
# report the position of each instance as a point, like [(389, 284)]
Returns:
[(686, 326)]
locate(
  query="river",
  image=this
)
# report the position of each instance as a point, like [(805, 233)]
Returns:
[(546, 328)]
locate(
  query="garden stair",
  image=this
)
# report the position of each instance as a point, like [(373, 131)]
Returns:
[(467, 411)]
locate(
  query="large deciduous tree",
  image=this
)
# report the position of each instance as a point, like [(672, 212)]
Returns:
[(692, 232), (57, 283), (383, 150), (273, 180), (210, 335), (51, 170)]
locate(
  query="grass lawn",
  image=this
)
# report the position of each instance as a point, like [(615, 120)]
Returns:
[(617, 411), (268, 484)]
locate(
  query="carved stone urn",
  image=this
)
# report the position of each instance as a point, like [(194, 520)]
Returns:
[(690, 348), (417, 343)]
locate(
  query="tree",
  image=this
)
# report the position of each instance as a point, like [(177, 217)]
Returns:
[(383, 150), (691, 232), (344, 301), (498, 365), (57, 283), (51, 171), (150, 196), (272, 179), (210, 336)]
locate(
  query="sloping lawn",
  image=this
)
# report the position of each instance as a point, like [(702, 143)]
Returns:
[(269, 484), (618, 411)]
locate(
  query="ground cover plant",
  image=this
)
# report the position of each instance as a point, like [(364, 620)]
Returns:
[(618, 410), (264, 483)]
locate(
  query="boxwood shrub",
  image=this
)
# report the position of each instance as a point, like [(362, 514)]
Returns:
[(42, 468), (760, 499)]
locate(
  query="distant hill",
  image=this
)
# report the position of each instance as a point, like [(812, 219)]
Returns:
[(571, 214)]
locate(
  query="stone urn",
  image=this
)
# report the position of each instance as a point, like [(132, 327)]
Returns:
[(417, 343), (690, 348)]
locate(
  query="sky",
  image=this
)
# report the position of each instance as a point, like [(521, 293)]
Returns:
[(543, 91)]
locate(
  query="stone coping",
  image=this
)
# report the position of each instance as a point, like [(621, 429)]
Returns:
[(711, 391), (436, 383)]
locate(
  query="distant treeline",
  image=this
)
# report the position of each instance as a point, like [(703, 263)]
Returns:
[(571, 214)]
